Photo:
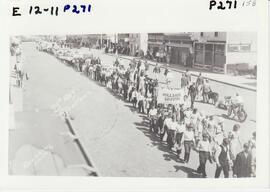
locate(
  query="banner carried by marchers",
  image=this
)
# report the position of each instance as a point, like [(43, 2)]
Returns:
[(170, 96)]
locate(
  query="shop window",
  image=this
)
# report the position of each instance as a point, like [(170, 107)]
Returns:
[(209, 47), (245, 48), (220, 49), (233, 48), (199, 46)]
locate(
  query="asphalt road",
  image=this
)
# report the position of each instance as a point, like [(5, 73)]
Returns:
[(114, 135)]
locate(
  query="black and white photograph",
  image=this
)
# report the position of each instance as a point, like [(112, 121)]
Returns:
[(177, 105)]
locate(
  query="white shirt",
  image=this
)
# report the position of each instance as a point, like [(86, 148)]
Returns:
[(188, 135), (167, 121), (134, 94), (180, 128), (218, 151), (173, 125), (204, 146), (153, 112)]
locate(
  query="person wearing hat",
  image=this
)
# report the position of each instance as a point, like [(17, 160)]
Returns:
[(188, 141), (204, 149), (243, 163), (222, 158)]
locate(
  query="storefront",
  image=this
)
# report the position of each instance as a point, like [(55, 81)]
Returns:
[(179, 48), (180, 54), (210, 56)]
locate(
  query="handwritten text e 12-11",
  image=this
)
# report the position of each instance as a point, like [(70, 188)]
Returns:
[(53, 10)]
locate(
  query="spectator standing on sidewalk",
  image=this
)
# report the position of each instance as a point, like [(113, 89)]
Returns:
[(188, 75), (222, 157), (184, 82), (206, 90), (199, 84), (192, 93)]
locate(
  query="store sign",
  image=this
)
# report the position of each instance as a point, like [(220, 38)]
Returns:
[(170, 96)]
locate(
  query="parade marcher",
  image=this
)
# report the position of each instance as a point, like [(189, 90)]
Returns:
[(186, 103), (243, 163), (141, 102), (178, 137), (220, 133), (134, 98), (160, 125), (153, 118), (192, 93), (235, 142), (166, 124), (210, 129), (172, 126), (189, 141), (222, 158), (204, 149)]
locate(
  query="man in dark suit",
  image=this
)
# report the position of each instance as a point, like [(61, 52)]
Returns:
[(242, 164)]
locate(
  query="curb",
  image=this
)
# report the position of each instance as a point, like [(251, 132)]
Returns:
[(82, 148), (218, 81)]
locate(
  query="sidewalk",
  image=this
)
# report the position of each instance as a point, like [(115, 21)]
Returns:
[(236, 81)]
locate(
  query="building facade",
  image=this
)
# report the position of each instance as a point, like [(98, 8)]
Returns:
[(179, 48), (156, 43), (210, 51), (137, 43), (224, 52)]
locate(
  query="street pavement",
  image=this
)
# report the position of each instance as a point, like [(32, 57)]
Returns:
[(114, 135)]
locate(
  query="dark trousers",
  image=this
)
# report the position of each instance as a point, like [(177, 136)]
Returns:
[(187, 145), (171, 138), (203, 157), (163, 131), (125, 93), (134, 102), (141, 107), (223, 167), (192, 101)]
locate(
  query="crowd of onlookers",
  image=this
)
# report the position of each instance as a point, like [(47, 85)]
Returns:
[(182, 127)]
